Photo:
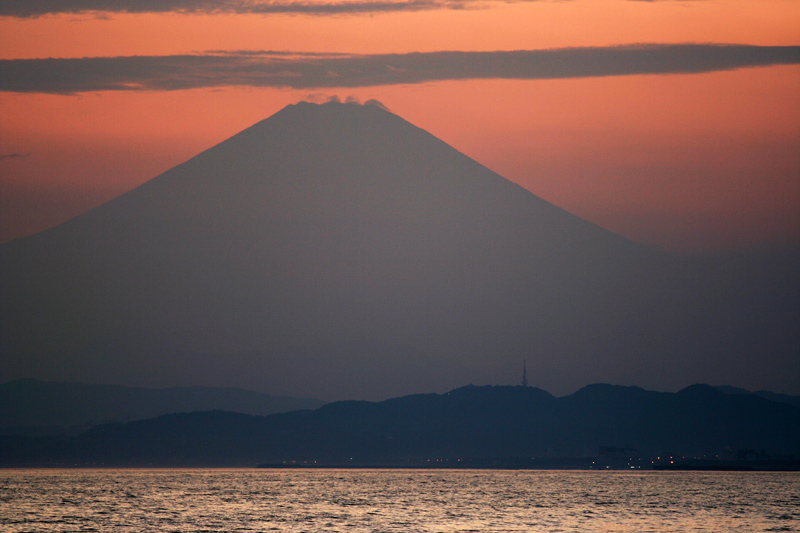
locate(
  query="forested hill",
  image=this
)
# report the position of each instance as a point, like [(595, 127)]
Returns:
[(470, 424)]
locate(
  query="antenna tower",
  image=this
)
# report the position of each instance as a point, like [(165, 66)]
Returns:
[(524, 374)]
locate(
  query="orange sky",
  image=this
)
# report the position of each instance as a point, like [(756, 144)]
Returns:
[(685, 161)]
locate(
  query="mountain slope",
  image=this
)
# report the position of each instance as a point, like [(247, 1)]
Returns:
[(31, 405), (767, 395), (338, 251)]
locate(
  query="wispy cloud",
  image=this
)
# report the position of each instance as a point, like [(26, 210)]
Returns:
[(309, 71), (13, 156), (37, 8)]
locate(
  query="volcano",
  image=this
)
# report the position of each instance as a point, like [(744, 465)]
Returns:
[(337, 251)]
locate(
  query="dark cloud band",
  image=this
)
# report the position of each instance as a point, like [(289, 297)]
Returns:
[(37, 8), (300, 71)]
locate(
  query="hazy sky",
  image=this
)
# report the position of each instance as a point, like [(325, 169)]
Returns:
[(626, 112)]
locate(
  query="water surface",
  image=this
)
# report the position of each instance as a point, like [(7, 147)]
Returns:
[(396, 501)]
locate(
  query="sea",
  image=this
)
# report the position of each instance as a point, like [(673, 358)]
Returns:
[(325, 500)]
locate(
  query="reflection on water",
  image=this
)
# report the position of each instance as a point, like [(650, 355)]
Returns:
[(396, 501)]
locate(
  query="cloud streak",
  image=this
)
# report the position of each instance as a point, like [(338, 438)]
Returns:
[(13, 156), (318, 71), (38, 8)]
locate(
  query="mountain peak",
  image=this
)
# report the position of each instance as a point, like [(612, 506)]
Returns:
[(335, 102), (334, 110)]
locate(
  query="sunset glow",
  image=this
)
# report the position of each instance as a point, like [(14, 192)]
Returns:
[(704, 161)]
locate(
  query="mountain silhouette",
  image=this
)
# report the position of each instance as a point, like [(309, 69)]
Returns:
[(477, 425), (30, 406), (768, 395), (337, 251)]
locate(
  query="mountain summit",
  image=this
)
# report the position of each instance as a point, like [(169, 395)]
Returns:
[(338, 251)]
